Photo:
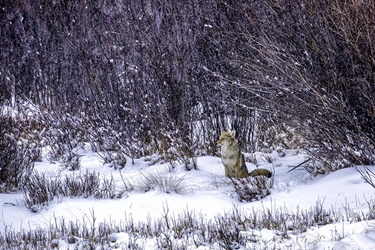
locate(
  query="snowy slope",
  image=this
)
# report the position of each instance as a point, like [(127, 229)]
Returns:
[(207, 193)]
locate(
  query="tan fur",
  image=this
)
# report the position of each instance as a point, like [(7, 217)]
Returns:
[(261, 172), (232, 158)]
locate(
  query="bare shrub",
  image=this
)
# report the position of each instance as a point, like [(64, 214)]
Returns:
[(229, 236), (306, 65), (88, 184), (107, 189), (166, 182), (232, 230), (40, 190), (85, 185), (65, 135), (252, 188), (16, 159), (367, 175), (117, 160)]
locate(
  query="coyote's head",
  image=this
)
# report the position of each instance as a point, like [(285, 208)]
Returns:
[(227, 138)]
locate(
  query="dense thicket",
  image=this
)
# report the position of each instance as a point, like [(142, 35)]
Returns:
[(167, 76), (313, 64)]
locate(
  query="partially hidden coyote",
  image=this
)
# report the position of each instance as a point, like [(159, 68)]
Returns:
[(232, 158)]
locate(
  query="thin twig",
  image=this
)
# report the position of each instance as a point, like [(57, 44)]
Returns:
[(299, 165)]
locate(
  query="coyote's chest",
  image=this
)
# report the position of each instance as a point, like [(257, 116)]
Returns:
[(229, 156)]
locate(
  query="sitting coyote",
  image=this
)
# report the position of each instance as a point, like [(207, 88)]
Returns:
[(232, 158)]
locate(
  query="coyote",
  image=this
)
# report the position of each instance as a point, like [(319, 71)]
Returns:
[(232, 158)]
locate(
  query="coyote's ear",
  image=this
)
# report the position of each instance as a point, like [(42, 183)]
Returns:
[(232, 133)]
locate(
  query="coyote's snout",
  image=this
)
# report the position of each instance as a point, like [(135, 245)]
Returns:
[(232, 158)]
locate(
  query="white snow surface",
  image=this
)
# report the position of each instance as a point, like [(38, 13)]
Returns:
[(207, 194)]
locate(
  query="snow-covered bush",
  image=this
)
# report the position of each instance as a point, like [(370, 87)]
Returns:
[(163, 181), (64, 136), (252, 188), (40, 190), (236, 229), (171, 92), (16, 158), (117, 160)]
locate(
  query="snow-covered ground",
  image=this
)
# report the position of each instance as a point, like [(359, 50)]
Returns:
[(207, 193)]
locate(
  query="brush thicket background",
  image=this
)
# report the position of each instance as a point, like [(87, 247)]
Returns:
[(139, 77)]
